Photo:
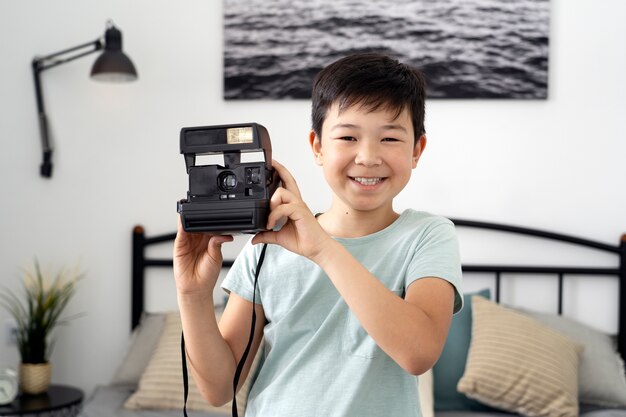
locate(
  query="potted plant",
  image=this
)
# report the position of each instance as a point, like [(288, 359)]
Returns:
[(37, 312)]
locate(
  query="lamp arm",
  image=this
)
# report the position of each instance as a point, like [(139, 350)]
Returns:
[(48, 61), (40, 64)]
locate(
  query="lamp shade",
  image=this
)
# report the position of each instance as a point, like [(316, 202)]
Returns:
[(113, 64)]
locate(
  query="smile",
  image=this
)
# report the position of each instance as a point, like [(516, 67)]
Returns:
[(367, 181)]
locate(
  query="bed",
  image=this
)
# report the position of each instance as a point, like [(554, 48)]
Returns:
[(498, 360)]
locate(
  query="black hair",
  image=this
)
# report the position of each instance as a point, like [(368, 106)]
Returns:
[(371, 80)]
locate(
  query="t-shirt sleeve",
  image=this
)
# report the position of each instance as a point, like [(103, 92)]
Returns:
[(437, 255), (240, 276)]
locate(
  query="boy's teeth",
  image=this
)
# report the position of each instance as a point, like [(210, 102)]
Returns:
[(367, 181)]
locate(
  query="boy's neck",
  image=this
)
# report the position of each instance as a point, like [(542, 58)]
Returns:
[(349, 223)]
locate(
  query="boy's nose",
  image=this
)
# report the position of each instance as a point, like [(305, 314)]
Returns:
[(368, 155)]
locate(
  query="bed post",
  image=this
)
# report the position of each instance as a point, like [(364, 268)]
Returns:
[(621, 338), (138, 276)]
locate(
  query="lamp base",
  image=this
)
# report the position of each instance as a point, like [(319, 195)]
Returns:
[(46, 169)]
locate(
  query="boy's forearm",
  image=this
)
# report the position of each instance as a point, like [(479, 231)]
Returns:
[(401, 329), (210, 358)]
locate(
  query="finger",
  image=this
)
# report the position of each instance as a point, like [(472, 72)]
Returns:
[(289, 182), (273, 220), (284, 211), (281, 196), (265, 237)]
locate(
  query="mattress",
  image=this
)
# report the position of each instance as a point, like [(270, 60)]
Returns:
[(108, 401)]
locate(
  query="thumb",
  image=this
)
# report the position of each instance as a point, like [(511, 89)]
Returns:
[(214, 247), (216, 242)]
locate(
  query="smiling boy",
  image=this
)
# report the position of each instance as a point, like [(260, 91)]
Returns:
[(352, 303)]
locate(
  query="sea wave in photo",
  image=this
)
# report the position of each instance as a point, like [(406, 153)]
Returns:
[(467, 48)]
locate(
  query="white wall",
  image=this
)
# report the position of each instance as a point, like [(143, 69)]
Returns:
[(556, 164)]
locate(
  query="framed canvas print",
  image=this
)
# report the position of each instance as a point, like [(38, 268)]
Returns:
[(466, 48)]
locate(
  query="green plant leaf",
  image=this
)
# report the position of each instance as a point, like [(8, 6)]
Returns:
[(38, 310)]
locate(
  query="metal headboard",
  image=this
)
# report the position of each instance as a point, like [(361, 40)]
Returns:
[(500, 271), (140, 262)]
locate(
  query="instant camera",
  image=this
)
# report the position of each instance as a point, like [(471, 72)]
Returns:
[(231, 179)]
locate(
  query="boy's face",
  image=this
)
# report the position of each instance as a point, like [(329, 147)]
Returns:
[(367, 157)]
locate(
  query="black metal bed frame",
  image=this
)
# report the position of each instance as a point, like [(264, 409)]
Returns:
[(140, 262)]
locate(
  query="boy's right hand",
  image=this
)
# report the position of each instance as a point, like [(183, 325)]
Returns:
[(197, 261)]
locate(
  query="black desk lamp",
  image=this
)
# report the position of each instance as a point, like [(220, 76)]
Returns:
[(111, 65)]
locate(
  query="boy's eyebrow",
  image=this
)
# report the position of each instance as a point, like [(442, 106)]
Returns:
[(394, 127), (353, 126), (344, 125)]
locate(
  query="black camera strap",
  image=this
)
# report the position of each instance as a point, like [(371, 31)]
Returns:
[(242, 361), (183, 356)]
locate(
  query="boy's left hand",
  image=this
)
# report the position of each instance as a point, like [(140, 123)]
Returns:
[(301, 233)]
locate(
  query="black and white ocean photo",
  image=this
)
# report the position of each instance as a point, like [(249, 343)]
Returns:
[(466, 48)]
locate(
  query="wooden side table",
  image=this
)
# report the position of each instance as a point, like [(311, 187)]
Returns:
[(59, 400)]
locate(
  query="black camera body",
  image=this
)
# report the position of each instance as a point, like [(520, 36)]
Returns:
[(231, 179)]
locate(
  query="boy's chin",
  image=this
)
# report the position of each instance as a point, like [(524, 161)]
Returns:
[(368, 207)]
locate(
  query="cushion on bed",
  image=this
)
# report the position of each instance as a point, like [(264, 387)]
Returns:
[(517, 364), (601, 377), (161, 386), (142, 343), (451, 364)]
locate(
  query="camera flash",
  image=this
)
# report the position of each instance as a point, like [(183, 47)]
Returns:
[(237, 135)]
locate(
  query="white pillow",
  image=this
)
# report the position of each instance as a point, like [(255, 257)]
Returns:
[(601, 377)]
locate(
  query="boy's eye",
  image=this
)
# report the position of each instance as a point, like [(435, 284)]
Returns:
[(390, 140), (348, 138)]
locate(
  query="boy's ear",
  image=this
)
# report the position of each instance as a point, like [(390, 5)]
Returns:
[(418, 149), (316, 147)]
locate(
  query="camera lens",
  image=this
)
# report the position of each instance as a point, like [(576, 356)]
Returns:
[(227, 181)]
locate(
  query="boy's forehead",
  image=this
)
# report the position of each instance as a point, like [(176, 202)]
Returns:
[(389, 113)]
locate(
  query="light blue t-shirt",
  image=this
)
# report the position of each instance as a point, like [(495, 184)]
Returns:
[(318, 360)]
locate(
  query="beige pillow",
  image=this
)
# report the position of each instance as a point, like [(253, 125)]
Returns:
[(518, 364), (161, 385), (425, 389)]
